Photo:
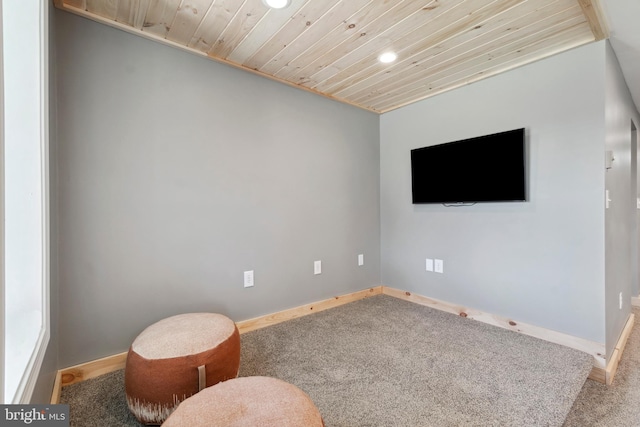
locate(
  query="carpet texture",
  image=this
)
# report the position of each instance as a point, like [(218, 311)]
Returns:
[(387, 362), (99, 402), (618, 404)]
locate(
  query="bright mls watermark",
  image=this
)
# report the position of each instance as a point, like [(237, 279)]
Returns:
[(34, 415)]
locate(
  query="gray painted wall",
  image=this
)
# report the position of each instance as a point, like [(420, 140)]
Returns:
[(621, 216), (540, 262), (176, 174), (44, 386), (634, 212), (635, 253)]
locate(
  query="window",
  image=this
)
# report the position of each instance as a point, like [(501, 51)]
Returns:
[(25, 279)]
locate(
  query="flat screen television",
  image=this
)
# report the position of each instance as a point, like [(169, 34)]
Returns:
[(489, 168)]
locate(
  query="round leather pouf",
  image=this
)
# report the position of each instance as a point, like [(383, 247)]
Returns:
[(247, 402), (175, 358)]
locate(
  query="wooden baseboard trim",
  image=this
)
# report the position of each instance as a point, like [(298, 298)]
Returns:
[(601, 372), (304, 310), (57, 389), (607, 374), (92, 369), (597, 350), (85, 371)]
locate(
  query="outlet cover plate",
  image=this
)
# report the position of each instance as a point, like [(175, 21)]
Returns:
[(248, 279), (439, 266), (429, 264)]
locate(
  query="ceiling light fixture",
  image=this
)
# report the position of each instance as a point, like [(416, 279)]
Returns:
[(277, 4), (387, 57)]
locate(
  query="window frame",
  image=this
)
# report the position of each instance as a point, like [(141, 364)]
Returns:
[(30, 376)]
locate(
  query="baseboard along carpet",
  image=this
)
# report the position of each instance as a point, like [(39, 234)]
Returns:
[(382, 361)]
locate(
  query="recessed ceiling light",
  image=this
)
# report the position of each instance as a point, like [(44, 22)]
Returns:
[(387, 57), (276, 4)]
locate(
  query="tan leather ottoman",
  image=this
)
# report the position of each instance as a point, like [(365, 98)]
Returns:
[(247, 402), (175, 358)]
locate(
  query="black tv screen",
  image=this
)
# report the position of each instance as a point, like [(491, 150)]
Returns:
[(488, 168)]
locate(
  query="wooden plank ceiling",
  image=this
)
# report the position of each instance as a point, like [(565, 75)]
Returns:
[(331, 47)]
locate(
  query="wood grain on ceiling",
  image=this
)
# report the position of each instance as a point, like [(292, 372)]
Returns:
[(331, 47)]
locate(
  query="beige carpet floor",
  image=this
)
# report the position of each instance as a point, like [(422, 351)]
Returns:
[(387, 362), (617, 405)]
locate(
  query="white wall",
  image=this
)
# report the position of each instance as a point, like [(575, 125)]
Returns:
[(177, 173), (621, 242), (539, 262)]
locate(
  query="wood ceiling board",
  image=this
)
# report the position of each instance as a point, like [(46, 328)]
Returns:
[(541, 49), (416, 96), (559, 34), (80, 4), (318, 54), (304, 19), (469, 66), (340, 44), (576, 35), (496, 53), (132, 12), (419, 26), (268, 33), (126, 28), (105, 8), (247, 17), (443, 54), (159, 17), (213, 24), (187, 19), (342, 11), (593, 12), (418, 43), (441, 48), (330, 47)]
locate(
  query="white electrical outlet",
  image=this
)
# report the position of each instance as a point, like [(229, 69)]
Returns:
[(429, 264), (317, 267), (439, 266), (620, 300), (248, 279), (361, 259)]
